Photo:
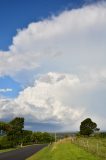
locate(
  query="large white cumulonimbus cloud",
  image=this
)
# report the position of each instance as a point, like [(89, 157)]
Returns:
[(69, 47), (49, 100), (57, 98)]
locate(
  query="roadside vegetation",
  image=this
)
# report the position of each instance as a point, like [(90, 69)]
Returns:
[(7, 150), (87, 144), (94, 145), (64, 150), (13, 135)]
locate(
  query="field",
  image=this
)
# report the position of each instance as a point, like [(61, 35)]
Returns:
[(70, 149)]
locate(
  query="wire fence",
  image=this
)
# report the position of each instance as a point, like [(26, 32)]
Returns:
[(96, 146)]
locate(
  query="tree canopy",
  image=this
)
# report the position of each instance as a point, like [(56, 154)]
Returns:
[(88, 127), (14, 134)]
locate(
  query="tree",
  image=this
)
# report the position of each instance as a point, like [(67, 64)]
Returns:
[(17, 123), (37, 137), (27, 134), (87, 127), (42, 137), (13, 132), (47, 137), (16, 132), (4, 127)]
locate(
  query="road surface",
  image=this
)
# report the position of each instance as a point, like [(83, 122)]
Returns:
[(22, 153)]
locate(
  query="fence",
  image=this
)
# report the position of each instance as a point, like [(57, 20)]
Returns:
[(96, 146)]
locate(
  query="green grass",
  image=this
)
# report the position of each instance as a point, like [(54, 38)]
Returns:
[(64, 150), (11, 149), (7, 150), (93, 145)]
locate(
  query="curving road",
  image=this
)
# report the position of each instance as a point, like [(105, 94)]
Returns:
[(21, 154)]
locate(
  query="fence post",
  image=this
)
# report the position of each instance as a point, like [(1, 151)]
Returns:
[(97, 147), (87, 145)]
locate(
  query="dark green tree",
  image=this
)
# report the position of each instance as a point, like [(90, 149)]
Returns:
[(4, 127), (87, 127), (37, 137), (13, 132), (27, 137), (47, 137), (42, 137), (16, 132), (17, 123)]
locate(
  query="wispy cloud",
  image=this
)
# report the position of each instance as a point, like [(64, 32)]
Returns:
[(3, 90)]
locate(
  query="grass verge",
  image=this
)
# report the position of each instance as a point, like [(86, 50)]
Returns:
[(64, 150), (11, 149), (7, 150)]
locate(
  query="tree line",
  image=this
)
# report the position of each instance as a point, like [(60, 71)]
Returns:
[(13, 134)]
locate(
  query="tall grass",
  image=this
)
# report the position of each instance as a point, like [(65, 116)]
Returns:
[(93, 145)]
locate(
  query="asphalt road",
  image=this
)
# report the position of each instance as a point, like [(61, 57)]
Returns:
[(21, 154)]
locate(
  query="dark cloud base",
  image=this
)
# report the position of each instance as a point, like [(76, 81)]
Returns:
[(42, 126)]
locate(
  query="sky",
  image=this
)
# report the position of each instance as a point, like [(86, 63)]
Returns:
[(52, 63)]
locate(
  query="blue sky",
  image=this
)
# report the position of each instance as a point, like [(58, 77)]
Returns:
[(8, 83), (16, 14), (51, 53)]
